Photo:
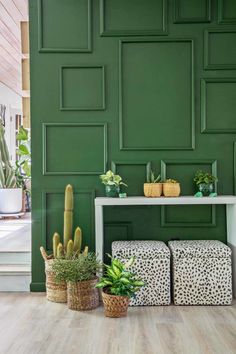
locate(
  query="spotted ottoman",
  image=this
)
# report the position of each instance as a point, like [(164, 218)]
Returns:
[(201, 272), (152, 265)]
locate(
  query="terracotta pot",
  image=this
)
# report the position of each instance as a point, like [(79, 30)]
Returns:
[(115, 306), (152, 190), (171, 189)]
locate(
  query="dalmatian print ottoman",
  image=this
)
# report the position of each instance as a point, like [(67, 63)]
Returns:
[(152, 265), (202, 272)]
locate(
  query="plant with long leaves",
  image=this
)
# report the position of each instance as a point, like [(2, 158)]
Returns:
[(23, 164), (119, 280), (7, 172)]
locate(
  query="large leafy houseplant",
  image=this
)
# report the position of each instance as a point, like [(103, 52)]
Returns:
[(112, 183), (119, 284)]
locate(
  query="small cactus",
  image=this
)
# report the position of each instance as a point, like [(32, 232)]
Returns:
[(60, 251), (85, 253), (69, 249), (68, 214), (77, 240), (55, 241)]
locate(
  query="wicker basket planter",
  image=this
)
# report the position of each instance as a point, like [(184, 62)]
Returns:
[(56, 292), (83, 295), (152, 190), (115, 306), (171, 189)]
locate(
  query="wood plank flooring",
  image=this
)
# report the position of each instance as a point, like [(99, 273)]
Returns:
[(30, 324)]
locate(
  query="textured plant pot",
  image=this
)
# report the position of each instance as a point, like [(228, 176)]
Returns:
[(171, 189), (11, 200), (206, 188), (56, 292), (112, 191), (83, 295), (152, 190), (115, 306)]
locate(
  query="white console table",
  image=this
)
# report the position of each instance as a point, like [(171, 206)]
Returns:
[(228, 200)]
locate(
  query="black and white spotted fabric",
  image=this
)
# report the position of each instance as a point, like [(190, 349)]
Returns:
[(201, 272), (152, 265)]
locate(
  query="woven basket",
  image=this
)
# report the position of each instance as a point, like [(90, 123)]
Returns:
[(56, 292), (152, 190), (171, 189), (115, 306), (83, 295)]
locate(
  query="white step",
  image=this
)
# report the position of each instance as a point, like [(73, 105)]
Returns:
[(15, 257), (15, 277)]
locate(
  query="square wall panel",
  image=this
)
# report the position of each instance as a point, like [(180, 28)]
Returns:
[(81, 147), (156, 94), (194, 11), (68, 29), (218, 105), (227, 12), (122, 18), (82, 88)]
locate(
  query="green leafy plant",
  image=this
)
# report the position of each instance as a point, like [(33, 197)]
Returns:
[(119, 280), (204, 178), (111, 179), (153, 179), (80, 268), (170, 180), (23, 164), (7, 172)]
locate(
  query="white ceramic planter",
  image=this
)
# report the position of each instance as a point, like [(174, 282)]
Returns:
[(10, 200)]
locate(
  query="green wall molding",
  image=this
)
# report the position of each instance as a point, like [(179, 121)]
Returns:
[(204, 127), (221, 18), (137, 32), (179, 19), (45, 126), (191, 116), (43, 49), (101, 106)]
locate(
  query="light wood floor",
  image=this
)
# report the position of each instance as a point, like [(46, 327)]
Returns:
[(30, 324)]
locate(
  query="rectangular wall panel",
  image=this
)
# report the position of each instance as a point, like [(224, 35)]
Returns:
[(218, 105), (156, 94), (227, 12), (64, 26), (220, 49), (82, 88), (192, 11), (187, 216), (123, 18), (87, 141)]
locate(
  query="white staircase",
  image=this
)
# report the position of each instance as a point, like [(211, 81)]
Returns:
[(15, 255)]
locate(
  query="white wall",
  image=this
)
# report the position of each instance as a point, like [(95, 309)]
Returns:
[(12, 101)]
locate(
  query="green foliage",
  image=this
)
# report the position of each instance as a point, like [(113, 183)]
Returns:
[(83, 267), (7, 172), (119, 280), (204, 177), (170, 180), (153, 179), (23, 164), (111, 179)]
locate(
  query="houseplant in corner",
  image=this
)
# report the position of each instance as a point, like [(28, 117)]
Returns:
[(112, 184), (10, 195), (205, 182), (171, 188), (153, 187), (80, 273), (119, 284)]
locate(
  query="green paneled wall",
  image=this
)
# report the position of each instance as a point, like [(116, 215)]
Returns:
[(130, 85)]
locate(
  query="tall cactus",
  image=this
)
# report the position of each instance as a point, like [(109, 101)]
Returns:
[(7, 173), (68, 215)]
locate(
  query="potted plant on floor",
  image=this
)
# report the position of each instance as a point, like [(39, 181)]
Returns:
[(112, 184), (205, 182), (80, 273), (10, 194), (171, 188), (119, 284), (153, 187)]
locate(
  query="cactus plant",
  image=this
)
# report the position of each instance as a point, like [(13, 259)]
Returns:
[(60, 251), (68, 215), (56, 241), (69, 249), (7, 172), (77, 240)]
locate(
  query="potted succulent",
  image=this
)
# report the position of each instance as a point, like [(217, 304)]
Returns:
[(119, 284), (171, 188), (205, 182), (80, 273), (112, 184), (10, 194), (153, 187)]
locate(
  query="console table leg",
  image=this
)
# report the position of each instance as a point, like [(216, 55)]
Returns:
[(99, 236), (231, 239)]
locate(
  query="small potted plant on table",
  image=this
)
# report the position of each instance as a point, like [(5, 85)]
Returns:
[(205, 182), (119, 284), (80, 275), (171, 188), (153, 187), (112, 184)]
